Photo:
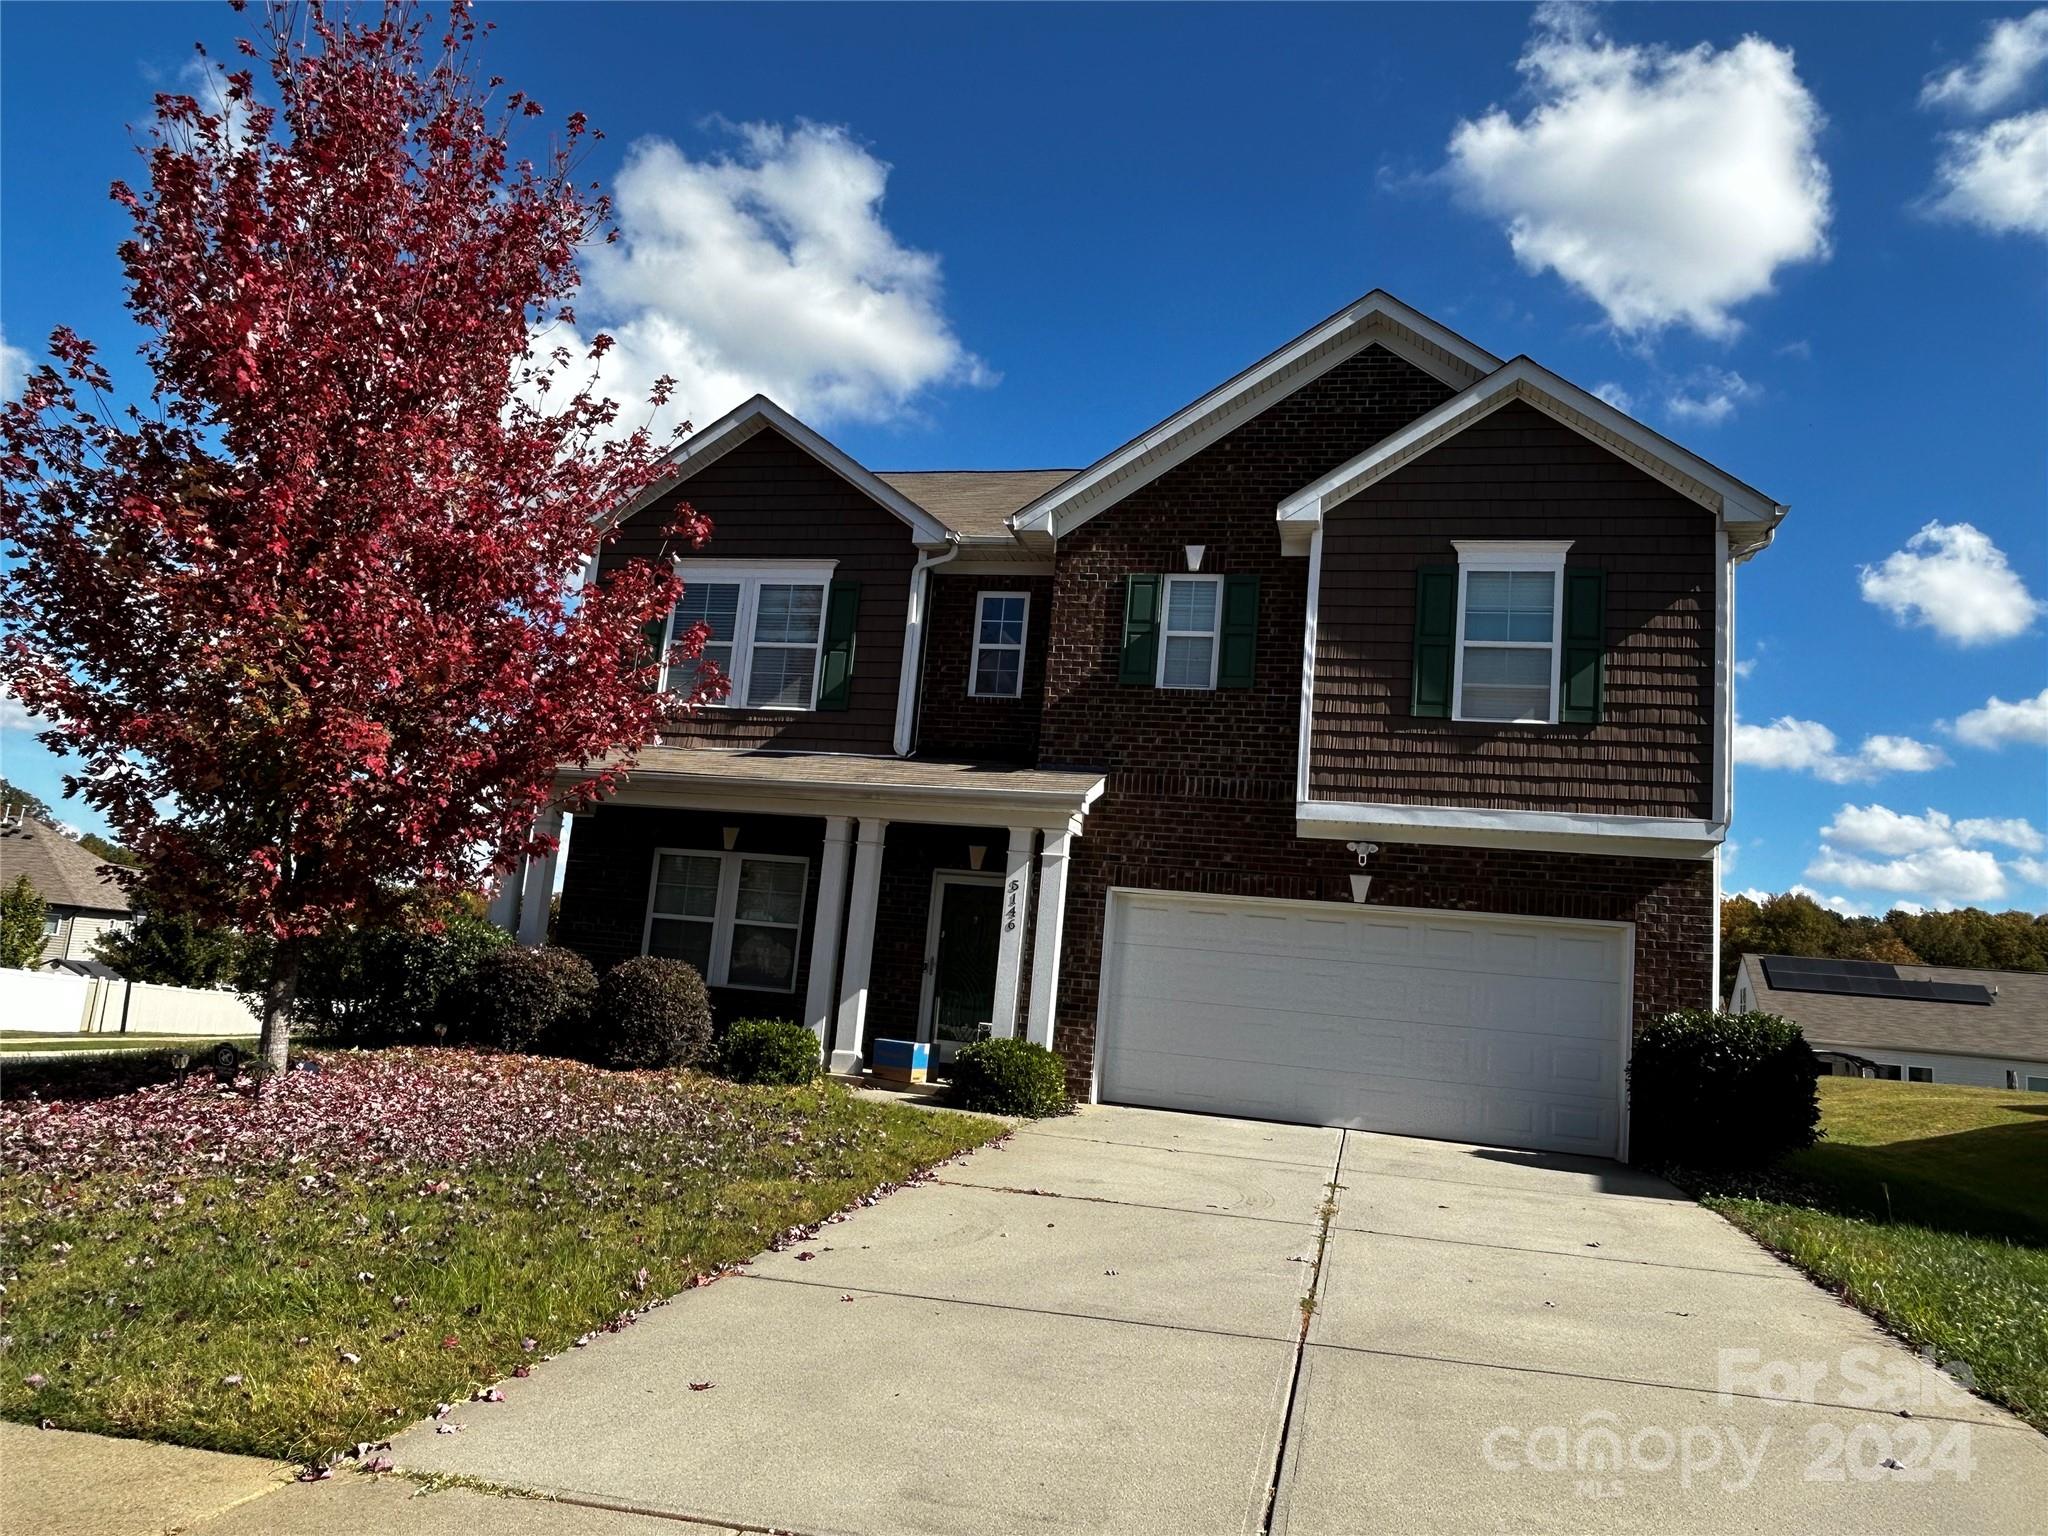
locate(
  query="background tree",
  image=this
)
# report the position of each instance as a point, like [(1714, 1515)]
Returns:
[(1969, 938), (113, 853), (171, 948), (35, 805), (22, 915), (318, 599)]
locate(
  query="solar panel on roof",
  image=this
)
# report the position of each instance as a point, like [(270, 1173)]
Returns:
[(1865, 978)]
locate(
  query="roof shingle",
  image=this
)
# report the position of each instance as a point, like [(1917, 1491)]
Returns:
[(63, 874), (2015, 1026)]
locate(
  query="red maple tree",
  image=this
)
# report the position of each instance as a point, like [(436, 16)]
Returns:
[(309, 622)]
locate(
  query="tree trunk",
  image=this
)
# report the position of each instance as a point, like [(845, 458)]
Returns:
[(279, 992)]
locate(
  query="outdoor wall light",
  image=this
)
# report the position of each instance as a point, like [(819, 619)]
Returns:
[(1194, 552), (976, 852), (732, 836)]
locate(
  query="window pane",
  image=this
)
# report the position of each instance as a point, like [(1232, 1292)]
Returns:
[(1506, 684), (685, 677), (771, 891), (762, 957), (789, 615), (781, 676), (686, 885), (998, 675), (1191, 605), (1509, 605), (1002, 621), (716, 603), (1187, 661), (676, 940)]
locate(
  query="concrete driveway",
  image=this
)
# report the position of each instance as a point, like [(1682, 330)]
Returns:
[(1099, 1327)]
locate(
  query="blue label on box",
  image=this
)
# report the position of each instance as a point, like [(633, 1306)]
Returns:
[(911, 1054)]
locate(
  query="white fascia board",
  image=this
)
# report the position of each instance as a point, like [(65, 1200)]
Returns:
[(1553, 831), (1746, 512), (1377, 319), (743, 422)]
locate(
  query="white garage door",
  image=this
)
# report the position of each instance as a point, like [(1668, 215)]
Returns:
[(1461, 1027)]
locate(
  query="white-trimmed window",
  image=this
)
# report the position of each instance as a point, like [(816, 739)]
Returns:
[(1510, 613), (1190, 614), (736, 917), (999, 625), (767, 630)]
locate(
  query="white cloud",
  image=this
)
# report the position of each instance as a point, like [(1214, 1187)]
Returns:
[(1807, 746), (1879, 829), (1711, 398), (1839, 904), (14, 367), (2012, 50), (1996, 177), (767, 270), (1668, 186), (15, 716), (1946, 874), (1997, 723), (2033, 871), (1952, 579), (1617, 397)]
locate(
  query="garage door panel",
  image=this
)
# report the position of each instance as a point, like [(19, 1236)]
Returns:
[(1463, 1027)]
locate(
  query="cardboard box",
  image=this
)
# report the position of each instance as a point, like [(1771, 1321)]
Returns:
[(902, 1061)]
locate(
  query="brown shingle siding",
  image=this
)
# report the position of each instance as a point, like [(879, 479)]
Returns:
[(769, 500), (1652, 755)]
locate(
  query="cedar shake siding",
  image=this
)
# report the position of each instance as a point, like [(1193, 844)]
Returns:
[(953, 723), (610, 877), (769, 500), (1517, 474)]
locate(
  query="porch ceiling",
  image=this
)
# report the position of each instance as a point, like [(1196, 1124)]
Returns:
[(842, 784)]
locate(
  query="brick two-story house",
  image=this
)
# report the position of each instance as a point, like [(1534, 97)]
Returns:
[(1352, 747)]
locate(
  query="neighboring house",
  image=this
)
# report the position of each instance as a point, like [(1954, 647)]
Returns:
[(1351, 747), (83, 897), (1912, 1023)]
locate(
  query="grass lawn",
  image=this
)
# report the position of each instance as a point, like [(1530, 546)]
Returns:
[(1927, 1206), (292, 1275), (18, 1040)]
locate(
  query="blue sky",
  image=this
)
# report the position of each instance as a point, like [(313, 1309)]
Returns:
[(1807, 241)]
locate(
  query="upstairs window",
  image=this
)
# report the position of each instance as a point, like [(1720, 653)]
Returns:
[(1509, 635), (767, 632), (999, 625), (1187, 649)]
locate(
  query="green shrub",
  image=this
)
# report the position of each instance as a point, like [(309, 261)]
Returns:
[(389, 985), (529, 1000), (651, 1012), (1010, 1077), (1722, 1090), (778, 1051)]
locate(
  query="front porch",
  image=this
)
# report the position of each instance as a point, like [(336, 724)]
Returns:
[(868, 898)]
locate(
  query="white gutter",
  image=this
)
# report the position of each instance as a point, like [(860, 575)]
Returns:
[(913, 643)]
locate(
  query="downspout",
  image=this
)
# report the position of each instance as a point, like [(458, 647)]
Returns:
[(913, 644)]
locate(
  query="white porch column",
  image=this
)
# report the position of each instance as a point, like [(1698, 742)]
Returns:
[(503, 911), (1045, 951), (1010, 942), (825, 928), (860, 944), (539, 887)]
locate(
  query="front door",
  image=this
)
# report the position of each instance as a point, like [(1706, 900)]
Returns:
[(960, 961)]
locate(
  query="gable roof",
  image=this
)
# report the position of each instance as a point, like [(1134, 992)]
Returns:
[(2014, 1027), (63, 874), (1378, 319), (1749, 516), (762, 414), (974, 502)]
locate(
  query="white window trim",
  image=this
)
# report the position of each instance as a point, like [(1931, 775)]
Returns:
[(1511, 556), (752, 575), (1023, 639), (1166, 630), (725, 912)]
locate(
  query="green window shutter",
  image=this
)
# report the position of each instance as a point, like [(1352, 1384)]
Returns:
[(1436, 638), (1140, 660), (1240, 635), (842, 611), (655, 633), (1582, 671)]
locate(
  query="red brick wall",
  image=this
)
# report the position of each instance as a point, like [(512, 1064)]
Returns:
[(951, 723), (1201, 785)]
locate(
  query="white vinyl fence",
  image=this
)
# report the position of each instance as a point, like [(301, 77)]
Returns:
[(54, 1003)]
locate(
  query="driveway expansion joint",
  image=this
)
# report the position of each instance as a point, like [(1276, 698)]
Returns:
[(1147, 1146), (1135, 1205), (1326, 1213), (1783, 1272)]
